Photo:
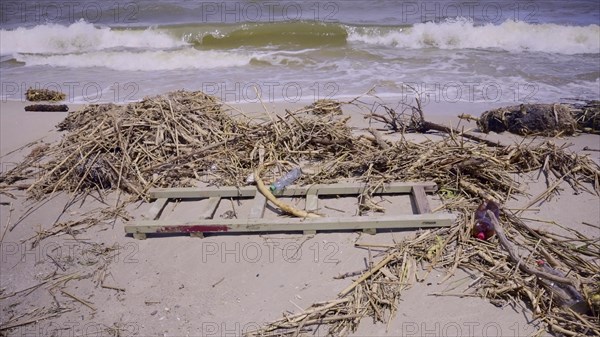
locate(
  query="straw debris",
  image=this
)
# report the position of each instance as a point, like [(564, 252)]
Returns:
[(325, 107), (37, 95)]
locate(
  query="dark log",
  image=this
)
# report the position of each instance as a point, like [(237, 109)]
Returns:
[(47, 107)]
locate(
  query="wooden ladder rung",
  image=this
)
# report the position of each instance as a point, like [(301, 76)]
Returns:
[(312, 204), (209, 211), (157, 208), (258, 207), (420, 198), (210, 208)]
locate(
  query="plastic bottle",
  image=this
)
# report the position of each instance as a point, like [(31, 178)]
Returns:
[(286, 180), (564, 294), (484, 227)]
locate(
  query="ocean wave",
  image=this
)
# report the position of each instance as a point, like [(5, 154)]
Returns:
[(513, 36), (81, 37), (295, 33), (188, 58), (156, 60)]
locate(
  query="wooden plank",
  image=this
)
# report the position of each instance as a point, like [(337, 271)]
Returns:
[(311, 205), (258, 207), (157, 207), (139, 236), (210, 208), (294, 224), (371, 231), (290, 191), (420, 199), (312, 202)]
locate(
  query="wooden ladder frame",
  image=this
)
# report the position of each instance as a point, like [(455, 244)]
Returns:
[(255, 223)]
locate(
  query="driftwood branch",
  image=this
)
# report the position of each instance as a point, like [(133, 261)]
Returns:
[(514, 256), (283, 206)]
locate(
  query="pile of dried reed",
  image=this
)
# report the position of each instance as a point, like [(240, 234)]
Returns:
[(181, 138), (498, 277), (587, 116), (37, 95)]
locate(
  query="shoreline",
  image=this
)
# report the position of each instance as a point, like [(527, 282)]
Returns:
[(38, 125)]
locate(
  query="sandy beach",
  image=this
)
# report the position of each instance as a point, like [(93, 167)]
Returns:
[(225, 285)]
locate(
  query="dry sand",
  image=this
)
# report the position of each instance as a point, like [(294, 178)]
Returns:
[(223, 285)]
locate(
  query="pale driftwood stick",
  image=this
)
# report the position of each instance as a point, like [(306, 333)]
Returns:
[(283, 206), (378, 139), (514, 256)]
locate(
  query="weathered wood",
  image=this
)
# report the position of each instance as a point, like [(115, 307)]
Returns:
[(293, 224), (290, 191), (139, 236), (258, 207), (210, 208), (312, 202), (157, 208), (371, 231), (420, 200), (255, 222)]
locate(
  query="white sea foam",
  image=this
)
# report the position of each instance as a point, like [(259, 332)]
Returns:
[(80, 37), (187, 58), (462, 33)]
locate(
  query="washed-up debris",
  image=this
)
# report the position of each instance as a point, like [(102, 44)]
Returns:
[(587, 116), (530, 119), (183, 138), (47, 107), (37, 95), (500, 275)]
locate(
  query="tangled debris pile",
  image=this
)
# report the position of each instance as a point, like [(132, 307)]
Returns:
[(543, 119), (529, 119), (376, 292), (182, 138), (37, 95), (587, 116)]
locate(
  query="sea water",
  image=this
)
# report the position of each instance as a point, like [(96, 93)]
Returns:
[(297, 51)]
